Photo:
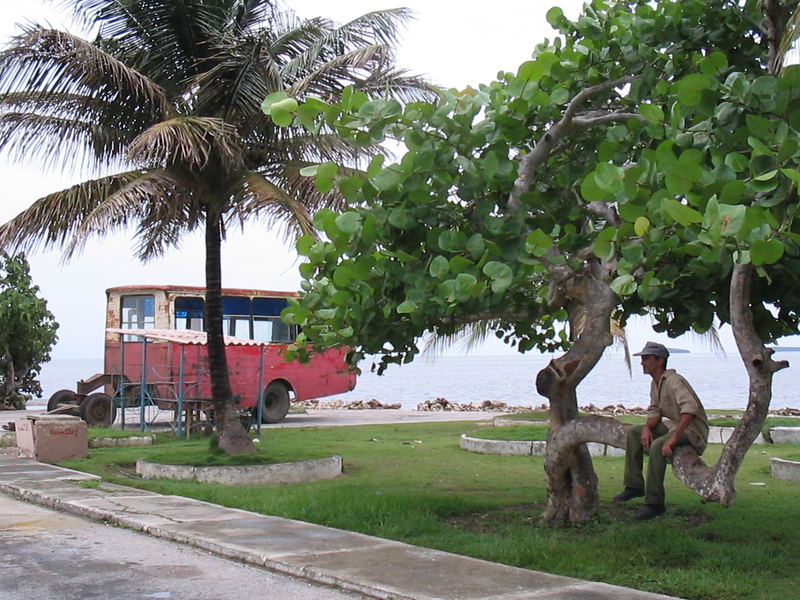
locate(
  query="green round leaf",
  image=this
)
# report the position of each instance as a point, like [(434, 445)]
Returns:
[(624, 285), (641, 226), (555, 16), (690, 88), (766, 252), (440, 267), (406, 307), (500, 274), (652, 112), (609, 177), (349, 222)]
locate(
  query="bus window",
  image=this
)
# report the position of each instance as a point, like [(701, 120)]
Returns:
[(268, 307), (137, 312), (189, 313), (271, 330), (236, 317)]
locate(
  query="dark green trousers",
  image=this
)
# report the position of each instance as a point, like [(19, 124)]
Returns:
[(656, 464)]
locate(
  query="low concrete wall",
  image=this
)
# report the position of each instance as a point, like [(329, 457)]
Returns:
[(294, 472), (786, 470), (720, 435), (526, 448), (785, 435), (122, 442)]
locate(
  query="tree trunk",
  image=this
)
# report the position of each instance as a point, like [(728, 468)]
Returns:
[(233, 438), (571, 480), (716, 484)]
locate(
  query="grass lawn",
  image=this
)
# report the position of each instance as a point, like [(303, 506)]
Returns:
[(411, 482)]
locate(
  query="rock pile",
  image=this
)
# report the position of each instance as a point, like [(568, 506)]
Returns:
[(443, 404), (786, 412), (342, 405)]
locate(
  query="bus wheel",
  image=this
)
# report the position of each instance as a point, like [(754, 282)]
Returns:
[(98, 409), (276, 402), (61, 397)]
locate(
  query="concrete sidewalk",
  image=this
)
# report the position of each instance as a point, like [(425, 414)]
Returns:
[(368, 565)]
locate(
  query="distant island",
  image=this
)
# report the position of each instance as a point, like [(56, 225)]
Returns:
[(678, 351), (785, 348)]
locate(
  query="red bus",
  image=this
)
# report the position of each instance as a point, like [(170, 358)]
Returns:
[(155, 350)]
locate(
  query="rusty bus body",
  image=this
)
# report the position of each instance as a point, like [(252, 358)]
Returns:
[(154, 337)]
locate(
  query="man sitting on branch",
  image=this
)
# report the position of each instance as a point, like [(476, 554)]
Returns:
[(671, 397)]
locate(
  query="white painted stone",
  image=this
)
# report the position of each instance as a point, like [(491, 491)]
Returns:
[(785, 470)]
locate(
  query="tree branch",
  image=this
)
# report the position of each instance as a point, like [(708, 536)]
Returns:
[(590, 120), (529, 163), (603, 209)]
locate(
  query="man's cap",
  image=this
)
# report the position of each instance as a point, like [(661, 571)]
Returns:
[(654, 349)]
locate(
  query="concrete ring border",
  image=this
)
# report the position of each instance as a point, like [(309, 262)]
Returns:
[(274, 474), (525, 448)]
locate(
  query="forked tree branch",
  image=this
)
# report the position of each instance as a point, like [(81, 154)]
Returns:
[(529, 163)]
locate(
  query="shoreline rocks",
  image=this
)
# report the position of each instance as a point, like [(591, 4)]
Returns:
[(445, 405), (342, 405)]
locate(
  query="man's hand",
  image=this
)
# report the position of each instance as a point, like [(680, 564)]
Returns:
[(668, 446), (647, 437)]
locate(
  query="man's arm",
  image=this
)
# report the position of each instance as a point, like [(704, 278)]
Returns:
[(669, 445), (647, 431)]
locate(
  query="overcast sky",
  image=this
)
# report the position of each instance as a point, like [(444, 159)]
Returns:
[(454, 43)]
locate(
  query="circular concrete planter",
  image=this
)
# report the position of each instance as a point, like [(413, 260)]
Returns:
[(526, 448), (294, 472), (786, 470), (505, 421), (122, 442)]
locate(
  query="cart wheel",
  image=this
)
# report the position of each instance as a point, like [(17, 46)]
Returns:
[(98, 409), (276, 402), (61, 397)]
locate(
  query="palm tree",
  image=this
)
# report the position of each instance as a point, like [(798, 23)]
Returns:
[(165, 102)]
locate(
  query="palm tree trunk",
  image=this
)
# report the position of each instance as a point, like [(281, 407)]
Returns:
[(233, 438)]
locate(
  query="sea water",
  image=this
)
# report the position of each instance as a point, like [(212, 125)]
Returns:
[(720, 381)]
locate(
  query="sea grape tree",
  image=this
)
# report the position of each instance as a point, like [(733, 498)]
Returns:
[(644, 160), (27, 332)]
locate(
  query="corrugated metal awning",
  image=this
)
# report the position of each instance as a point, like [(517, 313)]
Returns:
[(182, 336)]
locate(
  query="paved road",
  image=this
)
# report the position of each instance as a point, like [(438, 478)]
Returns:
[(331, 417), (48, 555)]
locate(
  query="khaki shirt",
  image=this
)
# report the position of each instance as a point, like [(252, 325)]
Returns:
[(671, 397)]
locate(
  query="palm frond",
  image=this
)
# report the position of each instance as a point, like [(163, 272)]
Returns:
[(331, 76), (53, 219), (467, 336), (159, 201), (382, 26), (56, 142), (190, 141), (258, 197), (51, 61), (790, 36), (242, 75)]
